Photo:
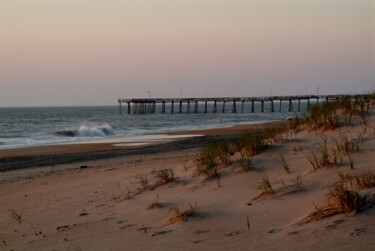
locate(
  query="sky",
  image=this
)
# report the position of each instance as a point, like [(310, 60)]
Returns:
[(91, 52)]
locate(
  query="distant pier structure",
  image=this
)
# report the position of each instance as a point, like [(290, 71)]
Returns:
[(190, 105)]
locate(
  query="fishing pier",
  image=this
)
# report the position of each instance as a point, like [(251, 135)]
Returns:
[(191, 105)]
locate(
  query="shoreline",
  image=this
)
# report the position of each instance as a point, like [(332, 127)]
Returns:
[(44, 155)]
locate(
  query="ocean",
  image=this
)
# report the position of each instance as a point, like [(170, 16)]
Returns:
[(20, 127)]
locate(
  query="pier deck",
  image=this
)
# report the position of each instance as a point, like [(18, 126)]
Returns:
[(148, 105)]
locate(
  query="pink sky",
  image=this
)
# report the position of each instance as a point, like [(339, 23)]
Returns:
[(82, 52)]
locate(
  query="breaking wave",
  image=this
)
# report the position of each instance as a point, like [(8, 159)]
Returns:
[(85, 131)]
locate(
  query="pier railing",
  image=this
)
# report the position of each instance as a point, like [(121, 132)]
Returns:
[(148, 105)]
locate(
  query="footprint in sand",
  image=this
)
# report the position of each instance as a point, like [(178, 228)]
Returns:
[(273, 231), (127, 226), (121, 221), (294, 232), (161, 232), (331, 227), (234, 233), (201, 231), (358, 232)]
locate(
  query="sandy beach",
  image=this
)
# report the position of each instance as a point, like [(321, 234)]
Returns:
[(91, 196)]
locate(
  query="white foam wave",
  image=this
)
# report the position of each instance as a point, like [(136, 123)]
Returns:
[(101, 131)]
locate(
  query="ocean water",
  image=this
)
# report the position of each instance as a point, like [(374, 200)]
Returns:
[(21, 127)]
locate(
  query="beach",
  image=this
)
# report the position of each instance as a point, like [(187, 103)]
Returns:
[(91, 196)]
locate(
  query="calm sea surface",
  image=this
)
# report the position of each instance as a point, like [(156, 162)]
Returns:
[(48, 125)]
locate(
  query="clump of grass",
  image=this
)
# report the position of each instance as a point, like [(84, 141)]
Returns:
[(366, 180), (153, 206), (298, 181), (341, 201), (253, 142), (144, 228), (245, 163), (206, 164), (16, 216), (181, 216), (344, 145), (344, 178), (248, 223), (295, 123), (320, 158), (265, 185), (312, 157), (283, 163), (143, 180), (323, 152), (344, 200), (351, 162), (218, 180), (323, 116), (222, 150), (128, 194), (165, 175)]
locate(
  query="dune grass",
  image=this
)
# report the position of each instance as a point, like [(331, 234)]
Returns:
[(282, 162), (165, 175), (366, 180), (265, 185), (181, 216)]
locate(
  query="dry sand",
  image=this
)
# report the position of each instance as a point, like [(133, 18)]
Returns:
[(65, 207)]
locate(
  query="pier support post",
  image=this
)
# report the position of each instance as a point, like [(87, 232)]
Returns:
[(196, 107), (163, 107), (188, 107), (119, 107), (215, 107), (262, 105), (223, 106), (308, 104), (128, 107), (234, 107), (280, 106), (242, 106), (180, 108), (299, 105), (272, 110), (290, 105), (205, 106), (172, 107), (252, 106)]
